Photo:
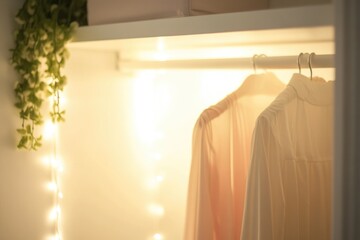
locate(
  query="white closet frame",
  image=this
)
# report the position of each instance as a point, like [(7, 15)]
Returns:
[(347, 101), (347, 121)]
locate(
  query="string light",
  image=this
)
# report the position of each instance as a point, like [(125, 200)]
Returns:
[(146, 105), (50, 130), (56, 167), (55, 213), (52, 186)]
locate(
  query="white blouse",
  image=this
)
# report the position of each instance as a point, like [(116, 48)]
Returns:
[(289, 184), (220, 156)]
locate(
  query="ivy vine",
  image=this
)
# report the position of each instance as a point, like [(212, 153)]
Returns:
[(44, 29)]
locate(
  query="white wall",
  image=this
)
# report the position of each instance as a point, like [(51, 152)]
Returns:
[(123, 130), (24, 202)]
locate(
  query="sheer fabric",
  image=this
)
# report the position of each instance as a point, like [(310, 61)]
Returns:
[(220, 156), (289, 185)]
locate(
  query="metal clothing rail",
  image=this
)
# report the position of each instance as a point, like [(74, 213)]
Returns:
[(268, 62)]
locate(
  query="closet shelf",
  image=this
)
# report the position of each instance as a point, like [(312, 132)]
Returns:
[(274, 32), (299, 17)]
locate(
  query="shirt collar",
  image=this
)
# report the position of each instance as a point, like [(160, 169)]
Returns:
[(316, 91)]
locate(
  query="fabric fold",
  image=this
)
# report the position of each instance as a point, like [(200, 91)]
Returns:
[(289, 186), (220, 156)]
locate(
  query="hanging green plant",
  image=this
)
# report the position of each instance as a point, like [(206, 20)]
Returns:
[(45, 27)]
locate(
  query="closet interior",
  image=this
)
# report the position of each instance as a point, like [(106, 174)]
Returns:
[(136, 91)]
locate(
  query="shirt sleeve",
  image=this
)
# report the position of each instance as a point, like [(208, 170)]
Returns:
[(199, 220)]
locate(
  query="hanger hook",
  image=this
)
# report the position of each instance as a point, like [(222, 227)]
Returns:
[(262, 55), (298, 61), (310, 64), (254, 62)]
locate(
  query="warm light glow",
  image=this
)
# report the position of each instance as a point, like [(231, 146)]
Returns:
[(150, 136), (160, 44), (161, 54), (55, 212), (52, 186), (60, 195), (159, 178), (55, 163), (155, 181), (60, 167), (62, 100), (56, 237), (212, 90), (50, 133), (45, 161), (53, 215), (50, 130), (158, 236), (156, 209), (156, 156)]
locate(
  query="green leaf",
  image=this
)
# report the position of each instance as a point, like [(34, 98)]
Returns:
[(33, 116), (39, 43), (21, 131), (23, 142), (28, 129), (37, 144), (19, 105), (23, 114)]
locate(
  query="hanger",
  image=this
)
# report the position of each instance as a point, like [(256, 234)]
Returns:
[(263, 84), (254, 62), (256, 84), (298, 61), (256, 56), (310, 57), (310, 65)]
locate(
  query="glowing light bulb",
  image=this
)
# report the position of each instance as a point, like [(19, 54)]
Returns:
[(156, 209), (55, 212), (52, 186), (158, 236), (53, 215), (56, 164), (50, 129)]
